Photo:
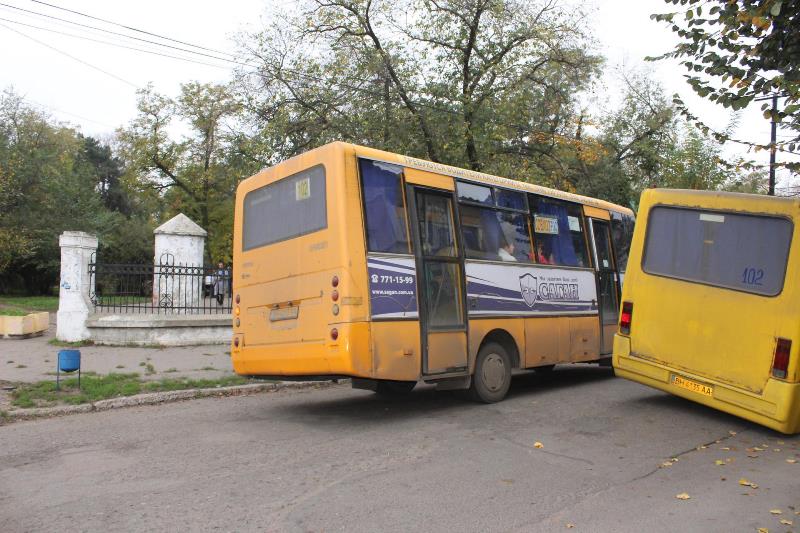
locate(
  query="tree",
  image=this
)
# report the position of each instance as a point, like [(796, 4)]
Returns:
[(738, 52), (51, 180), (486, 84), (191, 175)]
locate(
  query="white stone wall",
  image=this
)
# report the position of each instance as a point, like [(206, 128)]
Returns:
[(179, 242), (75, 285)]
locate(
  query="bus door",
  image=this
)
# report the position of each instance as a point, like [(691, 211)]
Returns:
[(607, 282), (441, 285)]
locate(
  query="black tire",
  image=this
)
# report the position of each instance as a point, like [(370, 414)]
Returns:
[(394, 388), (545, 369), (492, 376)]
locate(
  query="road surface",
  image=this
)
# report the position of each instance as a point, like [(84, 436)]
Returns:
[(338, 459)]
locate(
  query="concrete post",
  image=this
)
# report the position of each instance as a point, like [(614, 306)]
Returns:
[(179, 243), (76, 285)]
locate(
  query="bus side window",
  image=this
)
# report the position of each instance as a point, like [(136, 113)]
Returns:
[(384, 207), (621, 235), (558, 233), (494, 234)]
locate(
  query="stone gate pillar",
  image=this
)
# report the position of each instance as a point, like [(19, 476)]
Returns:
[(75, 286), (178, 277)]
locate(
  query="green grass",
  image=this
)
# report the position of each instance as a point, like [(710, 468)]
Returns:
[(94, 388), (31, 303), (8, 311), (62, 344)]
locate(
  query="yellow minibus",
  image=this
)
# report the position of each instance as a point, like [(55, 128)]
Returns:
[(710, 312), (390, 270)]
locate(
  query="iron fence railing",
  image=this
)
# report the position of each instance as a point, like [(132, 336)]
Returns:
[(161, 289)]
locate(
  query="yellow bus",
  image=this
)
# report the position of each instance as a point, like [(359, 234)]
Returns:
[(390, 270), (710, 312)]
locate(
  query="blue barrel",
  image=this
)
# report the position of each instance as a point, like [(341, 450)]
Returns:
[(69, 360)]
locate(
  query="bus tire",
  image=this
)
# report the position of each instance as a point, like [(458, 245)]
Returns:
[(394, 388), (492, 376)]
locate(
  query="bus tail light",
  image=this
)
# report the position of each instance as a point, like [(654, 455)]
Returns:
[(334, 334), (625, 318), (781, 362)]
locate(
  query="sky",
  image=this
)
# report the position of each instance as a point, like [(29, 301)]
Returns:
[(93, 86)]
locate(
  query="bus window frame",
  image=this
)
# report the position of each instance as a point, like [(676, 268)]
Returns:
[(720, 211), (525, 212), (291, 237), (364, 235), (588, 245)]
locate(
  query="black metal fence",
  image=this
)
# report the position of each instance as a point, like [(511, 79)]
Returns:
[(160, 289)]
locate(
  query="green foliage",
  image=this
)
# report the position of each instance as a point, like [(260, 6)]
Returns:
[(52, 179), (31, 303), (193, 175), (736, 51), (491, 85)]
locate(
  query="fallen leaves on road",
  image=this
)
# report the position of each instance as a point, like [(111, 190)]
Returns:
[(743, 482), (538, 444), (762, 530), (720, 462), (775, 511), (683, 496), (733, 433), (570, 526), (786, 522), (791, 461)]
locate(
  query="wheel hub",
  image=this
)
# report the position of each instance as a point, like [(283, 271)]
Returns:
[(494, 372)]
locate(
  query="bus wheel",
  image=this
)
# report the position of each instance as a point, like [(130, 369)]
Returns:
[(545, 369), (492, 374), (394, 388)]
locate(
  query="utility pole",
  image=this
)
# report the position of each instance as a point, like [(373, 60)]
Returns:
[(772, 147)]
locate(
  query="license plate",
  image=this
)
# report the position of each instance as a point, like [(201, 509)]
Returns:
[(286, 313), (692, 385)]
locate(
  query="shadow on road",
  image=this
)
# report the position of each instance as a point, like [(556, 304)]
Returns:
[(677, 409), (366, 408)]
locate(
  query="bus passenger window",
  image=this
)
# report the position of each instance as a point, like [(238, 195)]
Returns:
[(495, 235), (384, 207), (558, 233), (622, 234), (474, 193)]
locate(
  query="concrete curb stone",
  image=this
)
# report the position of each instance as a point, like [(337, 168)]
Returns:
[(155, 398)]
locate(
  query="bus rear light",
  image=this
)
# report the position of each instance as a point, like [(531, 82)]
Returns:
[(334, 334), (625, 318), (237, 311), (335, 309), (238, 322), (335, 295), (335, 281), (236, 342), (780, 364), (237, 299)]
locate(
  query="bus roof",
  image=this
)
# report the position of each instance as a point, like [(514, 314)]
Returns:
[(464, 174), (480, 177), (703, 195)]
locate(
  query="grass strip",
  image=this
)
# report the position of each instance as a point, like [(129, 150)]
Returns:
[(31, 303), (94, 388)]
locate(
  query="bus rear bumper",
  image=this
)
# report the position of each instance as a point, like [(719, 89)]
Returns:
[(777, 407), (348, 356)]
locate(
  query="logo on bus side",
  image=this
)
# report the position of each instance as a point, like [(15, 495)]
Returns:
[(546, 290), (527, 286)]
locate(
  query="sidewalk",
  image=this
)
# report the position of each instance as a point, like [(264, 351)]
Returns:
[(31, 360)]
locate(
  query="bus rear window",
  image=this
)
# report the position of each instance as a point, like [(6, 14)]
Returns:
[(731, 250), (288, 208)]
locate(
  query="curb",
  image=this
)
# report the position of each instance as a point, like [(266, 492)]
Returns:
[(155, 398)]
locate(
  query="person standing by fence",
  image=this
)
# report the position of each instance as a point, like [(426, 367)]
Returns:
[(220, 282)]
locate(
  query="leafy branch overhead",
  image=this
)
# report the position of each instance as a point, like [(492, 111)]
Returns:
[(738, 52)]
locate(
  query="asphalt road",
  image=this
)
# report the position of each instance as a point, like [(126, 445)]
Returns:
[(338, 459)]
